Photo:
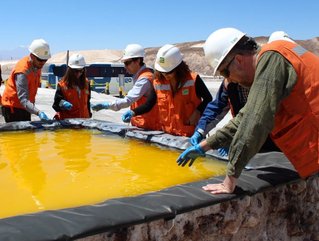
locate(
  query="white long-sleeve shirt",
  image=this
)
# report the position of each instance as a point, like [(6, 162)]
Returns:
[(141, 87)]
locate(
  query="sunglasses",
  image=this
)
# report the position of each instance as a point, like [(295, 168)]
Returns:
[(40, 60), (127, 63), (225, 72)]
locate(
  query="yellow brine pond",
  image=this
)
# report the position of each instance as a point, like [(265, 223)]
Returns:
[(45, 170)]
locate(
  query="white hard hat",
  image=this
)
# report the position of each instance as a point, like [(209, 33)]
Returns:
[(168, 58), (40, 48), (279, 35), (76, 61), (133, 51), (219, 44)]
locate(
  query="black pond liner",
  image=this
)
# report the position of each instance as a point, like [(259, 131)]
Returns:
[(264, 171)]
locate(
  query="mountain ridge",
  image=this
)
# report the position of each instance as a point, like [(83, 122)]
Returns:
[(192, 51)]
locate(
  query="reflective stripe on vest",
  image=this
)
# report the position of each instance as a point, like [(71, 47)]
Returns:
[(189, 83), (175, 110), (162, 87)]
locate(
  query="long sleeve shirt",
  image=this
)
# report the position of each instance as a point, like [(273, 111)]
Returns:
[(141, 87), (23, 93), (234, 95), (214, 112), (274, 79)]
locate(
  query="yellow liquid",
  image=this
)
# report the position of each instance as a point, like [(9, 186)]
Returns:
[(47, 170)]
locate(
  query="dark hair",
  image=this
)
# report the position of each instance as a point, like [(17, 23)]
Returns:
[(141, 60), (71, 81), (245, 46), (181, 73)]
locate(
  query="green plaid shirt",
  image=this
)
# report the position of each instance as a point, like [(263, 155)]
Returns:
[(246, 133)]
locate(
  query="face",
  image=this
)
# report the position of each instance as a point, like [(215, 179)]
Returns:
[(132, 65), (37, 62), (78, 72), (170, 76), (240, 69)]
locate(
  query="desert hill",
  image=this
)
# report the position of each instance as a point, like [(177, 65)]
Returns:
[(194, 54), (192, 51)]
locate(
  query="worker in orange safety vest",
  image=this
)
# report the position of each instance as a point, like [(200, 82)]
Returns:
[(283, 101), (18, 100), (73, 93), (182, 95)]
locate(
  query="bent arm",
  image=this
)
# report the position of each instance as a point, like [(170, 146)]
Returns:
[(274, 80), (140, 88), (23, 93), (214, 111), (58, 98)]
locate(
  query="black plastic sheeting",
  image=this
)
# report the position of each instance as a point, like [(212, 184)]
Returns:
[(264, 171)]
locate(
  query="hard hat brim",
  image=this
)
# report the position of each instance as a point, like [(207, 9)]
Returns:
[(41, 57), (159, 68), (129, 57), (216, 72), (76, 66)]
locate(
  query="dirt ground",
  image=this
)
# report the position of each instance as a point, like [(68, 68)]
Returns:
[(44, 101)]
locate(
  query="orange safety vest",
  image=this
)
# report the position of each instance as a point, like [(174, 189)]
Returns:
[(148, 120), (78, 100), (10, 97), (296, 128), (175, 110)]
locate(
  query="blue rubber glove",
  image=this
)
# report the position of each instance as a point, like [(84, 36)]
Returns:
[(67, 105), (196, 138), (43, 116), (127, 116), (190, 154), (100, 106), (223, 151)]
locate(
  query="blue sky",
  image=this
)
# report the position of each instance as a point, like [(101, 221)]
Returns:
[(102, 24)]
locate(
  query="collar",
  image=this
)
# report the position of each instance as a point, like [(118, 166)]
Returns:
[(139, 71)]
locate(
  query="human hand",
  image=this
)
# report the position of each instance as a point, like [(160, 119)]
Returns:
[(43, 116), (227, 186), (196, 138), (127, 116), (67, 105), (100, 106), (223, 151), (190, 154)]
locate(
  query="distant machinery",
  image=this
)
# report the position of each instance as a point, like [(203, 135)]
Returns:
[(108, 78)]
